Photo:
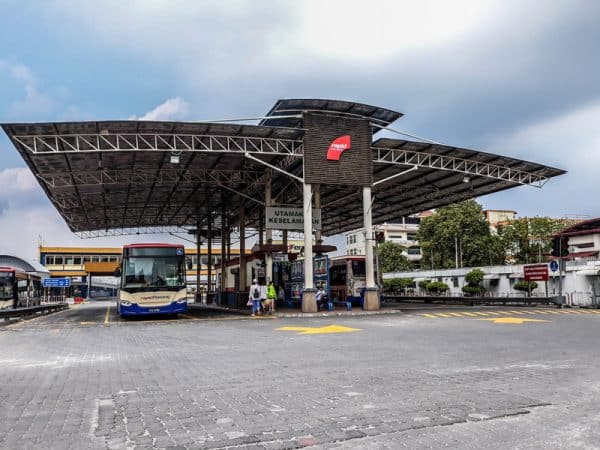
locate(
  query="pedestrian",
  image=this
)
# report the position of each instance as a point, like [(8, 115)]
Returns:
[(271, 297), (280, 295), (254, 297), (263, 296), (319, 298)]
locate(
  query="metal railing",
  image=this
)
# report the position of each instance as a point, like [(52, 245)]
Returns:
[(7, 314)]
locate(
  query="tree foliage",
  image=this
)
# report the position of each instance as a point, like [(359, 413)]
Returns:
[(437, 287), (528, 239), (525, 285), (459, 230), (474, 279), (397, 284), (391, 258)]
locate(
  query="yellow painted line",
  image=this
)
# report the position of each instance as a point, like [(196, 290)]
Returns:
[(513, 320), (431, 316), (481, 314), (442, 315), (107, 315), (87, 323), (516, 312), (594, 311), (530, 312), (320, 330), (456, 314), (584, 311), (552, 312), (470, 314), (494, 313)]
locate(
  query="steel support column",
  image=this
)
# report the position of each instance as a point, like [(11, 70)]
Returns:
[(209, 284), (317, 194), (309, 303), (221, 299), (198, 297), (242, 246), (371, 296), (268, 232)]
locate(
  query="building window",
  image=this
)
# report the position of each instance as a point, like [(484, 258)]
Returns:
[(411, 236), (77, 260), (352, 239), (455, 281), (58, 260), (49, 259), (86, 259), (95, 259)]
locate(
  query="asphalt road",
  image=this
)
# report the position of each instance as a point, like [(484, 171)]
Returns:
[(456, 378)]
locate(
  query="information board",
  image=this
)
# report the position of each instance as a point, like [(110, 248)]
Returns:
[(536, 272)]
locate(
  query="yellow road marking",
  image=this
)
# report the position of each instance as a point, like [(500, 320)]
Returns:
[(456, 314), (469, 314), (553, 312), (516, 312), (107, 315), (320, 330), (513, 320), (530, 312), (584, 311), (431, 316), (443, 315), (539, 311), (494, 313), (480, 313), (87, 323)]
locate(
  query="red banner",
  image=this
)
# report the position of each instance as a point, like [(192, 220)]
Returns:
[(536, 272)]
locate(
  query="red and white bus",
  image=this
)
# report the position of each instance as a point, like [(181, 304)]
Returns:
[(152, 280), (19, 289), (347, 278)]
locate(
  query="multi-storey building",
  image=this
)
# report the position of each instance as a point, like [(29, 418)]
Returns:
[(403, 232)]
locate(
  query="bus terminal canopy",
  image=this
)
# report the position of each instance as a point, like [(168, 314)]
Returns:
[(122, 177)]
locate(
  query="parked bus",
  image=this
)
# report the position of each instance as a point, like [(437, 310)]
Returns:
[(19, 289), (347, 278), (152, 280)]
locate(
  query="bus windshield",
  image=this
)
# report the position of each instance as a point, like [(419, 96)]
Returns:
[(6, 286), (157, 272), (358, 268)]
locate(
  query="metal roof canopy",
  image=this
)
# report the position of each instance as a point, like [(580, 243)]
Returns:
[(115, 177)]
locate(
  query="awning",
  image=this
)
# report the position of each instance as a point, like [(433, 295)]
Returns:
[(581, 255), (516, 275), (588, 272)]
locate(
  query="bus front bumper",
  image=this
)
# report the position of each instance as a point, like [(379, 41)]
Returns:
[(136, 310)]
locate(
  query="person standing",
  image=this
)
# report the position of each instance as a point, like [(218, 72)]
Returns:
[(263, 296), (319, 298), (254, 296), (271, 297)]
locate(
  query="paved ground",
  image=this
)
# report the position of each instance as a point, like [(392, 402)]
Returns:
[(492, 378)]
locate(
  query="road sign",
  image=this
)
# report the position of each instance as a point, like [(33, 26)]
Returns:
[(554, 265), (56, 282), (536, 272)]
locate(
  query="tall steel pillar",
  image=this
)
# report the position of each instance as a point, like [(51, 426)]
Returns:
[(222, 291), (243, 286), (198, 297), (209, 284), (371, 294), (309, 302), (269, 233)]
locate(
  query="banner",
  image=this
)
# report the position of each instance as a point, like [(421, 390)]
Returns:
[(279, 218)]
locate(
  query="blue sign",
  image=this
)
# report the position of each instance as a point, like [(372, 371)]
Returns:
[(179, 251), (56, 282), (553, 265)]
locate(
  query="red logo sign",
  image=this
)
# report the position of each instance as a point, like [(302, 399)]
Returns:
[(536, 272), (338, 146)]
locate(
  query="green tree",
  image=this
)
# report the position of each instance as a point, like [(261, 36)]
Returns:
[(528, 239), (474, 279), (391, 258), (437, 287), (397, 284), (459, 230), (526, 286)]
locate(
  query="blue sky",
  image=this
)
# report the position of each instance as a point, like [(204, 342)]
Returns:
[(510, 77)]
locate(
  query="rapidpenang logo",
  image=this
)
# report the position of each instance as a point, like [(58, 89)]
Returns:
[(339, 146)]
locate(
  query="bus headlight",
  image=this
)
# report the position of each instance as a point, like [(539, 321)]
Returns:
[(125, 303)]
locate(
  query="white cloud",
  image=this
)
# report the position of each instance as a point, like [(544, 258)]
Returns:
[(34, 101), (172, 109), (570, 141)]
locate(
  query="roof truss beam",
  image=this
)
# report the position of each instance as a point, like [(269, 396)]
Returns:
[(115, 142), (454, 164)]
